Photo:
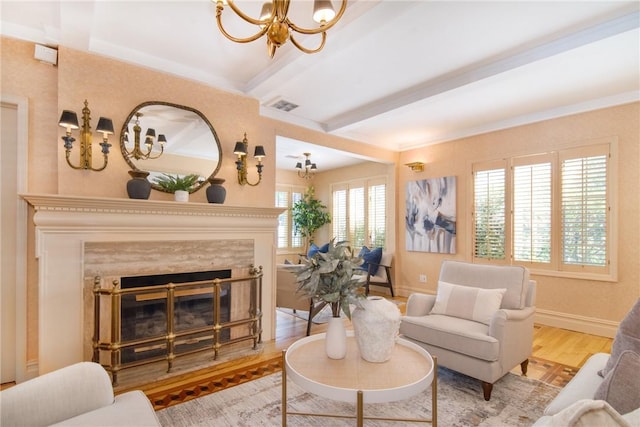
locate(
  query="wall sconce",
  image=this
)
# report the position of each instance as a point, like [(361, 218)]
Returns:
[(240, 150), (149, 138), (69, 120), (416, 166)]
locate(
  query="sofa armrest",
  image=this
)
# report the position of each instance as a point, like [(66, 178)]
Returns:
[(420, 304), (57, 396), (129, 409), (582, 386)]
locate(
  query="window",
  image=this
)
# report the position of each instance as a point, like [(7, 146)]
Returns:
[(548, 211), (286, 196), (359, 212)]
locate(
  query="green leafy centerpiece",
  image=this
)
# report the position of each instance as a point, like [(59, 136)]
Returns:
[(330, 277)]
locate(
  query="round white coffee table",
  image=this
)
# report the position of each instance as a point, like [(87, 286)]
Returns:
[(410, 371)]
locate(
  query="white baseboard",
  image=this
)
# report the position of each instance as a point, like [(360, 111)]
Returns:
[(33, 369), (572, 322)]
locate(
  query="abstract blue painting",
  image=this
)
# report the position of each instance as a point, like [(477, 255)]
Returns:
[(431, 215)]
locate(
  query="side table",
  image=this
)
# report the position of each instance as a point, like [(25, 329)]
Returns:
[(409, 371)]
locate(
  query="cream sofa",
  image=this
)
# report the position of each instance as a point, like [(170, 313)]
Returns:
[(485, 347), (575, 404), (77, 395), (606, 389)]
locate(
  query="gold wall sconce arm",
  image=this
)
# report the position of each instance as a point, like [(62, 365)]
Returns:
[(240, 150), (69, 120)]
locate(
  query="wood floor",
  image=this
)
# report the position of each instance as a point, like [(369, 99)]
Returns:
[(557, 354), (553, 349)]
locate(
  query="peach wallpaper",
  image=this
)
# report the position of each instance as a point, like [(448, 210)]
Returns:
[(575, 299), (114, 88)]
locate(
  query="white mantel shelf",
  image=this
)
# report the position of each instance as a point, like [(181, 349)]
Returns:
[(64, 224), (54, 202)]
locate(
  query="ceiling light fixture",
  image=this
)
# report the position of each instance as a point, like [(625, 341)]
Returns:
[(150, 136), (275, 23), (309, 168)]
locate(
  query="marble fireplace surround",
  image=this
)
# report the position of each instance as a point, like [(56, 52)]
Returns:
[(64, 225)]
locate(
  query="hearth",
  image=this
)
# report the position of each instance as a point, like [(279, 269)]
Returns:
[(144, 315)]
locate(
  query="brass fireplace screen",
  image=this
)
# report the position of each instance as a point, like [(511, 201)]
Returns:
[(167, 330)]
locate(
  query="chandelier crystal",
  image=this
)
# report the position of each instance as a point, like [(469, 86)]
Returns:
[(275, 23)]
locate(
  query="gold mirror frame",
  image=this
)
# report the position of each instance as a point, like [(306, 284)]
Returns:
[(140, 163)]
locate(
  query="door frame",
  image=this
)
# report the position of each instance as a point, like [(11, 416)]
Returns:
[(22, 105)]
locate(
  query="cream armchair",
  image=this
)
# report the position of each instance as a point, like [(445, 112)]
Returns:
[(460, 327)]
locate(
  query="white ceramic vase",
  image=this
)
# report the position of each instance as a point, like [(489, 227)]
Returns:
[(181, 196), (335, 343), (376, 325)]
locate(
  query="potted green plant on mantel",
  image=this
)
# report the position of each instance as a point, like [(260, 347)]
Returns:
[(180, 186), (309, 214), (329, 277)]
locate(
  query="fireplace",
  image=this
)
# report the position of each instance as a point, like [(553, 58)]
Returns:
[(162, 317), (144, 316), (79, 239)]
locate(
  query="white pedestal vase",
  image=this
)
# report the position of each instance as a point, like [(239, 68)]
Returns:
[(376, 327), (181, 196), (335, 343)]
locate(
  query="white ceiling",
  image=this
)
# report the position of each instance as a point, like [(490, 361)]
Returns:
[(393, 74)]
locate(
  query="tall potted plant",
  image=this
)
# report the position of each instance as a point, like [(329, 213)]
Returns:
[(309, 214), (329, 277)]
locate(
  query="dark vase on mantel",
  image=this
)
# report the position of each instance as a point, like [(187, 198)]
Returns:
[(216, 193), (138, 187)]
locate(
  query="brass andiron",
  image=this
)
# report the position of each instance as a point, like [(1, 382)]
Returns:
[(69, 120)]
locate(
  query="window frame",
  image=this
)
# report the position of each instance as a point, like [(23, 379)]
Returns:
[(347, 187), (556, 267), (290, 190)]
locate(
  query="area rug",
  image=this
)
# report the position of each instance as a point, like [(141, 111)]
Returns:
[(515, 401)]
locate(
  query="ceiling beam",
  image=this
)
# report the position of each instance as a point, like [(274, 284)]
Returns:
[(486, 69)]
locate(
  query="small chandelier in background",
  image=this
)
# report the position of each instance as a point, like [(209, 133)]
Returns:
[(69, 120), (275, 23), (240, 150), (149, 138), (309, 168)]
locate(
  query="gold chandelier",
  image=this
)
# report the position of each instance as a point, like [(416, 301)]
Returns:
[(275, 23), (309, 168)]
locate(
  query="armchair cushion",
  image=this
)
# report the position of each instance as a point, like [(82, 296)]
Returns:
[(370, 256), (314, 249), (621, 386), (466, 302), (514, 279), (627, 338), (458, 335)]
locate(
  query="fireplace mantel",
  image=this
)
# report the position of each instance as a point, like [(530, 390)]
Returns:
[(63, 225)]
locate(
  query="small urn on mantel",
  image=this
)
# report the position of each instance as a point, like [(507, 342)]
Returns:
[(216, 193), (138, 187)]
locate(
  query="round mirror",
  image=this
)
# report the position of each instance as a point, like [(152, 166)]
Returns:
[(164, 138)]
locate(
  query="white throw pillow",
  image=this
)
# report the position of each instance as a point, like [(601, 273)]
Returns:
[(467, 302)]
